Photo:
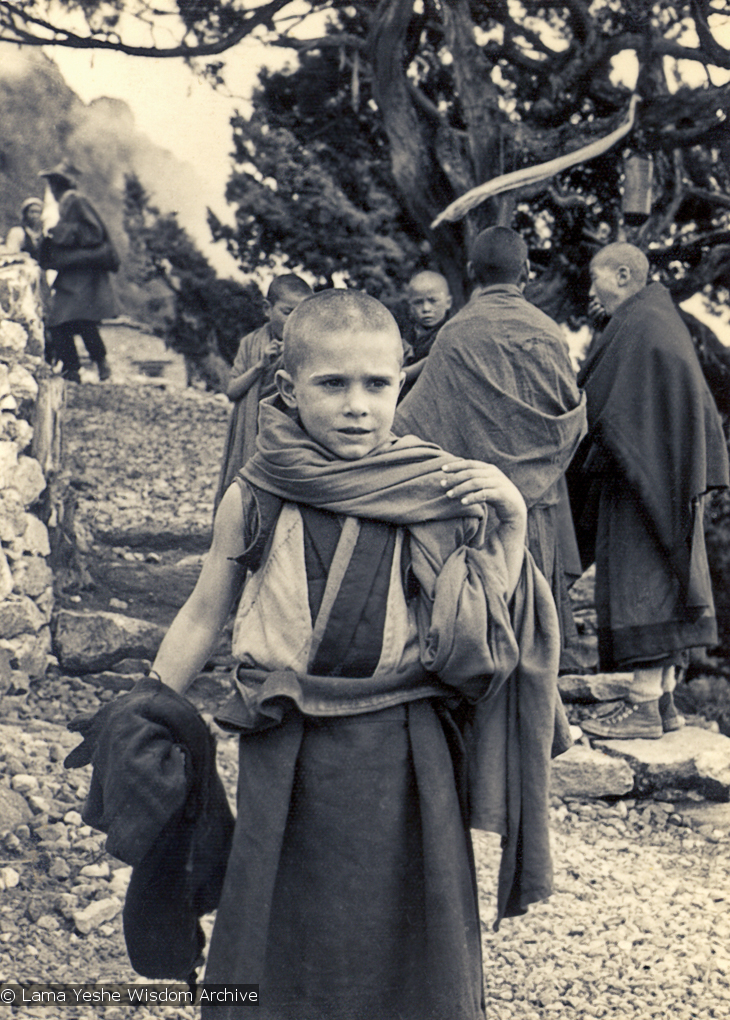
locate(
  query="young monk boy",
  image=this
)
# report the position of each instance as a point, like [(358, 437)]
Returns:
[(252, 374), (377, 613)]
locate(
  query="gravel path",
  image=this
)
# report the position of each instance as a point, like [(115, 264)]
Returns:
[(638, 926)]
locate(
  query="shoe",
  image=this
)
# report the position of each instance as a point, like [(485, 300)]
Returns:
[(671, 719), (72, 376), (627, 722), (104, 370)]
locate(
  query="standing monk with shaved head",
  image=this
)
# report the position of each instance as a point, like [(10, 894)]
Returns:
[(498, 385), (429, 302), (654, 449)]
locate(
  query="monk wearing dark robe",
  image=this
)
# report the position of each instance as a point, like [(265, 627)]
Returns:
[(654, 449), (498, 385), (429, 303), (389, 613)]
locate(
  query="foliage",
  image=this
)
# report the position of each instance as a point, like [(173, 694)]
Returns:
[(464, 91), (207, 314), (414, 104), (312, 184)]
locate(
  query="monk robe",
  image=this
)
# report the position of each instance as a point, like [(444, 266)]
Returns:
[(498, 386), (654, 448), (351, 890), (243, 419)]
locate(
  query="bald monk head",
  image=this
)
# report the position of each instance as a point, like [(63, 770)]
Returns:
[(498, 255), (618, 271)]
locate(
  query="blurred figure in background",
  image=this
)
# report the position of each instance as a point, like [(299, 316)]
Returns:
[(28, 235), (79, 248), (252, 374)]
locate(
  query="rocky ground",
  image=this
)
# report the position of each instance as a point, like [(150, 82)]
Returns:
[(638, 926)]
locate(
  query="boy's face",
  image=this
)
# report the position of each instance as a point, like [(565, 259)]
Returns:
[(345, 390), (429, 300), (280, 311)]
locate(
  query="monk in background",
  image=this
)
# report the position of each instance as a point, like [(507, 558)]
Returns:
[(654, 449), (498, 386), (429, 304)]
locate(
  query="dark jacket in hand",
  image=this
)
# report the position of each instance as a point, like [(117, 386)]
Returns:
[(156, 794)]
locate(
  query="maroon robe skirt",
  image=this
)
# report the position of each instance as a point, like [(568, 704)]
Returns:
[(350, 892)]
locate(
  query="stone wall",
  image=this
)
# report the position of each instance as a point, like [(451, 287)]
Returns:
[(30, 400)]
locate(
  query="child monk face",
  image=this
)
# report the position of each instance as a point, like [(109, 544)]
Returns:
[(279, 312), (344, 386)]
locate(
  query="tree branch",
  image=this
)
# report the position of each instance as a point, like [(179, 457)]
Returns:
[(13, 32), (708, 42)]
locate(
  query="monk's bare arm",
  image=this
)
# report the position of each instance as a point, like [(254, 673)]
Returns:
[(473, 481), (241, 384), (193, 633)]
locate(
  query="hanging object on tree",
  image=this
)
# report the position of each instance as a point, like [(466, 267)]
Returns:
[(636, 199), (535, 174)]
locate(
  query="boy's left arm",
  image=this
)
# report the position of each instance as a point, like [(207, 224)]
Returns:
[(473, 481)]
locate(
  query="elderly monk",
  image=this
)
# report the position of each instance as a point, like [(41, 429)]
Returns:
[(654, 449), (498, 386)]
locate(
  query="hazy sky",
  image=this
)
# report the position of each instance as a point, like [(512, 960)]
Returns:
[(178, 112)]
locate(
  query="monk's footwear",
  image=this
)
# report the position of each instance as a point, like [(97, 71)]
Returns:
[(671, 719), (627, 722)]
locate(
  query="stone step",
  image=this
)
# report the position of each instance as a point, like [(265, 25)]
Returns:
[(690, 759)]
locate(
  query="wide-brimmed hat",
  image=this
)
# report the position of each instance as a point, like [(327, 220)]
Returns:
[(31, 201), (64, 171)]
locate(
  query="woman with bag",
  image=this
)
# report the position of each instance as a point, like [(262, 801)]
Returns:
[(79, 248)]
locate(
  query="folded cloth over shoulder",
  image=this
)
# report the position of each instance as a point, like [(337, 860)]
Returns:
[(156, 794)]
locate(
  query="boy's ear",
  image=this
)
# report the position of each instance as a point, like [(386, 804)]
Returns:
[(401, 380), (267, 308), (285, 386)]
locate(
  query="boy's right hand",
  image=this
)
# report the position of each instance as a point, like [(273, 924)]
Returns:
[(474, 481)]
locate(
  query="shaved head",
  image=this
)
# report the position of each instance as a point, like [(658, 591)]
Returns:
[(498, 255), (334, 311), (622, 255), (428, 280), (288, 286), (429, 299)]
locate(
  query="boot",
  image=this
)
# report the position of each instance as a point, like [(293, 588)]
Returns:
[(627, 722), (103, 369)]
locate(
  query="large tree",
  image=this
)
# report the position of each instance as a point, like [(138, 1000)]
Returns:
[(403, 107), (469, 90)]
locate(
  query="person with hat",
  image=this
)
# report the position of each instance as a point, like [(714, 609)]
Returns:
[(79, 248), (28, 235)]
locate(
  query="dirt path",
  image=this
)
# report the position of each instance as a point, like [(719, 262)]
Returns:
[(145, 466), (637, 927)]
